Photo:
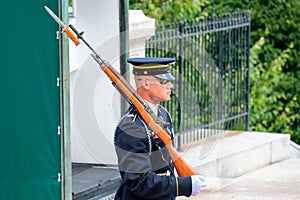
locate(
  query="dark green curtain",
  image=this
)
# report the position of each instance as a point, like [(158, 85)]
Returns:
[(29, 103)]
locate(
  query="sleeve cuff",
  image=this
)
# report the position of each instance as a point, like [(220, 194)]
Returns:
[(183, 186)]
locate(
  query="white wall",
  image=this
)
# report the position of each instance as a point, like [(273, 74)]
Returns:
[(95, 104)]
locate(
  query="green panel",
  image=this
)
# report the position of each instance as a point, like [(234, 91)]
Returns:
[(29, 103)]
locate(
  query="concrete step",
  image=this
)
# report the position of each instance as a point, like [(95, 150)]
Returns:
[(236, 153), (279, 181), (93, 181)]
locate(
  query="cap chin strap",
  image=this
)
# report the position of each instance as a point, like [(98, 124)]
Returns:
[(150, 66)]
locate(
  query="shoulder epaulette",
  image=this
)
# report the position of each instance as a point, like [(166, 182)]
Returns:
[(160, 106)]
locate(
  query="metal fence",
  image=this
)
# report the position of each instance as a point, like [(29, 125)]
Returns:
[(211, 91)]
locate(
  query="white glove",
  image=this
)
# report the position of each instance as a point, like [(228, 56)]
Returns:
[(198, 184)]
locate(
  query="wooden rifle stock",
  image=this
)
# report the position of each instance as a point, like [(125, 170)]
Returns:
[(182, 167)]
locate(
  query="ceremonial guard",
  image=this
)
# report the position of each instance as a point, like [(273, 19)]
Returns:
[(145, 166)]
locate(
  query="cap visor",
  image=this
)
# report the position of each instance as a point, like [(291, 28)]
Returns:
[(167, 76)]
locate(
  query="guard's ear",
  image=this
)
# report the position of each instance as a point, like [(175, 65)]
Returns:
[(145, 83)]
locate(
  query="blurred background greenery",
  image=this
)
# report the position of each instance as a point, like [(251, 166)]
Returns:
[(274, 54)]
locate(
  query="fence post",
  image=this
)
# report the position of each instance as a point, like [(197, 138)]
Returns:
[(248, 71), (180, 64)]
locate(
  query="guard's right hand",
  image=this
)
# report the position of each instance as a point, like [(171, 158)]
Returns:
[(198, 184)]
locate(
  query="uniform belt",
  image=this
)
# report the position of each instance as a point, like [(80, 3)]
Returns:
[(168, 173)]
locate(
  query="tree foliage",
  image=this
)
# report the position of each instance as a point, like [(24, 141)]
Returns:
[(275, 66), (272, 107), (168, 11)]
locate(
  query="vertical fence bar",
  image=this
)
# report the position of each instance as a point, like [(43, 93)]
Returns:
[(180, 66), (220, 71), (247, 71)]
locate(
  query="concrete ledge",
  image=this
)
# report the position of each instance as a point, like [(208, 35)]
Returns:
[(236, 153), (294, 150)]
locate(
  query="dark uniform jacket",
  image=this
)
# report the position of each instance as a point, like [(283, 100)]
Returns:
[(145, 165)]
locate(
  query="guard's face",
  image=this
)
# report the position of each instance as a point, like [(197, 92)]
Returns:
[(159, 89)]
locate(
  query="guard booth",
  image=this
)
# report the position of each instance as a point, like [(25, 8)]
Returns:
[(39, 85), (95, 105), (34, 103)]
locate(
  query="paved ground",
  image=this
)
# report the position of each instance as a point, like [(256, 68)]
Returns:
[(280, 181)]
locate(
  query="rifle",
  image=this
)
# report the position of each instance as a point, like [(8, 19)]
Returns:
[(130, 94)]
